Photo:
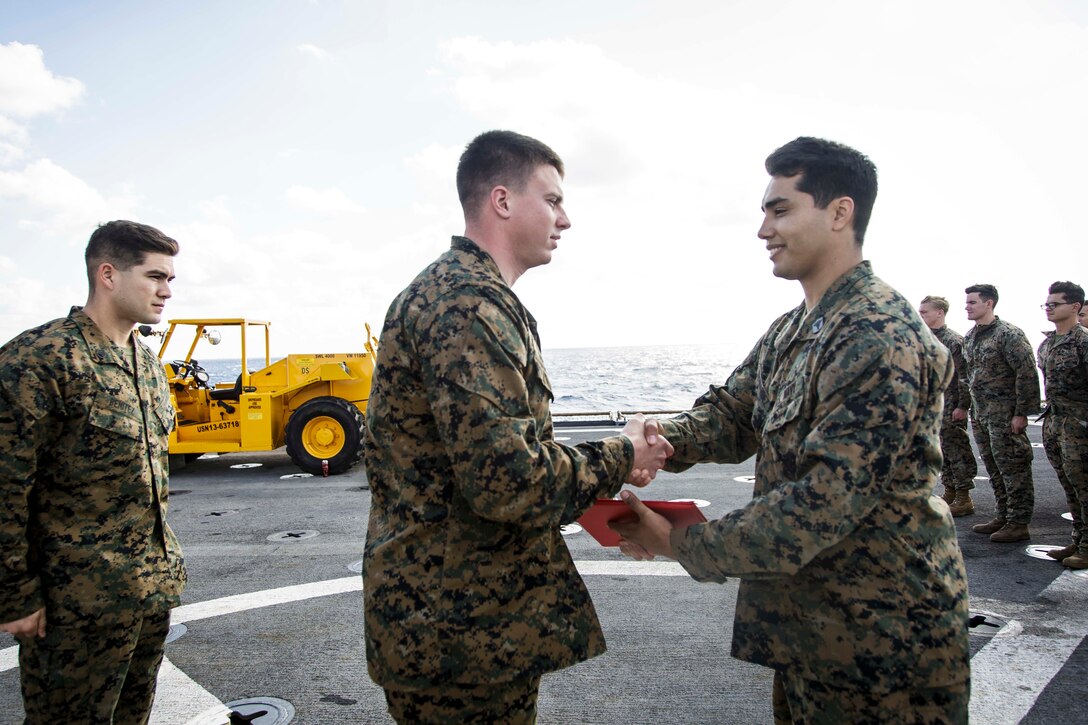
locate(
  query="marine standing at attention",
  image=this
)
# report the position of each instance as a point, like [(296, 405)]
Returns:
[(852, 586), (1063, 359), (90, 567), (470, 592), (1004, 392), (959, 468)]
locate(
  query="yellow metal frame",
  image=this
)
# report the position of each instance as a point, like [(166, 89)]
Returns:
[(257, 420)]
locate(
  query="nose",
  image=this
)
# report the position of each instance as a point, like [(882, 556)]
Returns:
[(164, 291), (765, 231), (563, 222)]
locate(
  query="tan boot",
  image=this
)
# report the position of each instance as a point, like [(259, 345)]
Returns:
[(962, 505), (1063, 553), (1010, 533), (1077, 561), (949, 494), (989, 527)]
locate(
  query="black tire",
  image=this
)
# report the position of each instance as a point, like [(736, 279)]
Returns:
[(325, 428)]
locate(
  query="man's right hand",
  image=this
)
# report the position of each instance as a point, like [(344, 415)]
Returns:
[(959, 414), (651, 449), (32, 625)]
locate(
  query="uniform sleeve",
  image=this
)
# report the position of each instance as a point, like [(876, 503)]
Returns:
[(506, 467), (962, 388), (718, 429), (1019, 356), (23, 405), (864, 422)]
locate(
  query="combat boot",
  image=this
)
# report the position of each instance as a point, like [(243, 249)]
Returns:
[(1063, 553), (949, 494), (1011, 532), (1077, 561), (962, 505), (990, 527)]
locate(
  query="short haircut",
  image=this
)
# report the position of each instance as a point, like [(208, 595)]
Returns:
[(939, 302), (1074, 293), (985, 292), (499, 158), (829, 170), (125, 244)]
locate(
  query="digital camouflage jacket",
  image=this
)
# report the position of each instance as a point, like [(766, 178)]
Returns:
[(958, 393), (1001, 370), (1064, 362), (83, 476), (466, 577), (850, 570)]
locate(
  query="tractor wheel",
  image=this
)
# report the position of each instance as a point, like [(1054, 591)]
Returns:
[(325, 429)]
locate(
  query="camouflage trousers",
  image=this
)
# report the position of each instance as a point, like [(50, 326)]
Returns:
[(798, 701), (93, 672), (451, 704), (1007, 457), (959, 468), (1065, 440)]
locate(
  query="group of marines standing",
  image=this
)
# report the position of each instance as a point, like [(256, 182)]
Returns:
[(996, 386)]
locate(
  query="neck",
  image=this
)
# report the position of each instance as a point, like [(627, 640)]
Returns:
[(495, 246), (838, 264), (118, 331), (1065, 326), (986, 320)]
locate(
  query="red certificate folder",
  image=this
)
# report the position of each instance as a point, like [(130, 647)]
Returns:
[(595, 521)]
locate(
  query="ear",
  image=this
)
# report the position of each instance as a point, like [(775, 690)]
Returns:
[(105, 276), (499, 200), (843, 209)]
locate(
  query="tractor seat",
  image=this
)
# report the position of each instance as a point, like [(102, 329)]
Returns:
[(227, 393)]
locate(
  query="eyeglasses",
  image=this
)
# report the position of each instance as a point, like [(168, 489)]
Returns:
[(1052, 305)]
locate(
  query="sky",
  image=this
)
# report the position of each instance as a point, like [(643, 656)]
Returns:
[(303, 152)]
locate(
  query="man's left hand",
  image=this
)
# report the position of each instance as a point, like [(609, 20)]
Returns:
[(649, 535), (1018, 424)]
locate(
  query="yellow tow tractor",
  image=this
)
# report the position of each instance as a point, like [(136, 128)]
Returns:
[(313, 404)]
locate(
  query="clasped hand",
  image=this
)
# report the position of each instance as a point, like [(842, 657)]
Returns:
[(651, 449)]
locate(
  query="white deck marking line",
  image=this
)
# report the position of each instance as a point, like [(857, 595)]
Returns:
[(264, 598), (1029, 660), (629, 568), (1009, 673), (177, 694), (9, 658)]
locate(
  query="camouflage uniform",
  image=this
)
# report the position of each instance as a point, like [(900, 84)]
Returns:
[(1064, 362), (1003, 381), (850, 570), (959, 468), (466, 576), (83, 490)]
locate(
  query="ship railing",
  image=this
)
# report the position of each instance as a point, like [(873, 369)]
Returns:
[(604, 417)]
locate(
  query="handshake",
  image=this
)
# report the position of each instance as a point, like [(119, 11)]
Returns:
[(652, 450)]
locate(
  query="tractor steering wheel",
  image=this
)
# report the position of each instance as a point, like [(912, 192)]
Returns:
[(192, 368)]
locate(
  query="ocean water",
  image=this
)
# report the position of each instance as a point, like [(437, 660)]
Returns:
[(605, 379)]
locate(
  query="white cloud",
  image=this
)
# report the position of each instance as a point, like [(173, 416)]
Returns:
[(10, 154), (314, 52), (27, 87), (65, 202), (321, 200), (215, 210), (11, 130)]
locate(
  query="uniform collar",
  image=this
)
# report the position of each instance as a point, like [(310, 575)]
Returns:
[(840, 290), (464, 244), (99, 346)]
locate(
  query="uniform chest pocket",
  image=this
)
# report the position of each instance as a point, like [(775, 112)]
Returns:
[(787, 407), (1065, 361), (116, 416), (165, 414)]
